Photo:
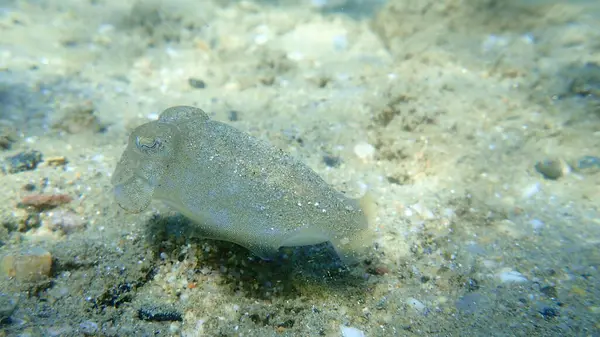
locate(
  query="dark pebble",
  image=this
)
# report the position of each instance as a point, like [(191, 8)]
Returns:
[(8, 304), (234, 116), (332, 161), (549, 312), (472, 284), (156, 314), (29, 187), (586, 80), (551, 169), (549, 291), (23, 161), (196, 83), (287, 324)]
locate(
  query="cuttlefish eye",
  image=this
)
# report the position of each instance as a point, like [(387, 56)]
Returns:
[(149, 145)]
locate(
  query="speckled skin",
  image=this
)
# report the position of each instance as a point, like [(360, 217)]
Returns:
[(234, 186)]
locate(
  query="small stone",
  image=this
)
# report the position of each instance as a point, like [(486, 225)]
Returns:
[(549, 291), (66, 221), (511, 276), (552, 169), (348, 331), (332, 161), (88, 328), (30, 265), (8, 304), (586, 81), (29, 187), (233, 116), (56, 161), (158, 314), (536, 224), (364, 151), (549, 312), (416, 304), (23, 161), (196, 83)]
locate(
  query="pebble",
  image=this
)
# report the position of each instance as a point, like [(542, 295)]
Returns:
[(348, 331), (8, 304), (586, 81), (549, 312), (196, 83), (29, 265), (511, 276), (23, 161), (549, 291), (423, 211), (536, 224), (159, 314), (364, 151), (66, 221), (530, 191), (332, 161), (552, 169), (233, 116), (416, 304), (88, 327)]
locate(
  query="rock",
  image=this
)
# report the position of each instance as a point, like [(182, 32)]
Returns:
[(88, 328), (159, 314), (549, 291), (196, 83), (552, 169), (586, 81), (332, 161), (23, 161), (233, 116), (511, 276), (8, 304), (351, 332), (416, 304), (29, 265), (65, 221), (364, 151)]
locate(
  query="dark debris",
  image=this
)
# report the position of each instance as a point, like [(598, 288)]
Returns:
[(23, 161)]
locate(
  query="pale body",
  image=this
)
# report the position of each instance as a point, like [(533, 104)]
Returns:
[(234, 187)]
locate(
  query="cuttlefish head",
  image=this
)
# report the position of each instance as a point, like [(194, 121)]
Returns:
[(150, 150)]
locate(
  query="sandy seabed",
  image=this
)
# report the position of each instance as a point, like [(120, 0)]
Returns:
[(475, 125)]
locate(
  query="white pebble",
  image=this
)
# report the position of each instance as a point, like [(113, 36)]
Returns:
[(364, 151), (88, 327), (537, 224), (423, 211), (416, 304), (65, 221), (511, 276), (351, 332), (261, 39), (530, 191)]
